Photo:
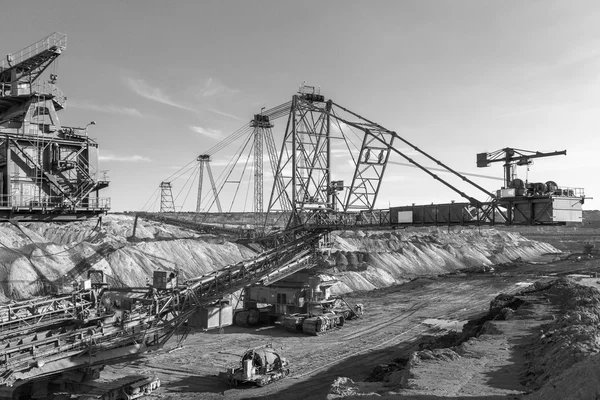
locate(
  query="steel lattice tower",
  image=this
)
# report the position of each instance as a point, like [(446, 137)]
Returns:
[(204, 160), (262, 134), (304, 162), (166, 198)]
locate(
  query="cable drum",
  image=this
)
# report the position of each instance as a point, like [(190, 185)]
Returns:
[(552, 186), (539, 188)]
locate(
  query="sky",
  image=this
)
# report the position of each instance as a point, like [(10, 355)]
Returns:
[(165, 81)]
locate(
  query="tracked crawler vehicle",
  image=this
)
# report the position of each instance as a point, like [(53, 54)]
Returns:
[(301, 302)]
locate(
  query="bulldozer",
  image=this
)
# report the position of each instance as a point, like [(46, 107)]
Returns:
[(260, 365)]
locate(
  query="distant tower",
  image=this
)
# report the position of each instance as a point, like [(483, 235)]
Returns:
[(166, 198), (204, 160)]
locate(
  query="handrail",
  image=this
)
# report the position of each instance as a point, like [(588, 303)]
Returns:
[(55, 40), (49, 202)]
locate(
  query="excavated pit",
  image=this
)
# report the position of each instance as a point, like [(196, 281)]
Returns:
[(549, 329), (403, 264)]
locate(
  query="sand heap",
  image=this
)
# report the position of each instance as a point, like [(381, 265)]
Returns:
[(35, 256), (377, 259)]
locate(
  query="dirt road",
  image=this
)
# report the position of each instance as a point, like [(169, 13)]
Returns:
[(396, 320)]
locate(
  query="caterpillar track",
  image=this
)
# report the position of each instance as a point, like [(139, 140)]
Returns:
[(313, 325)]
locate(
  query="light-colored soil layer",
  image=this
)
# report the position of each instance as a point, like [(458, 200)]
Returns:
[(542, 343), (380, 270), (35, 257), (398, 320)]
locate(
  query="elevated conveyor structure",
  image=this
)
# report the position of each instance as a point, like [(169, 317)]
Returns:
[(85, 330)]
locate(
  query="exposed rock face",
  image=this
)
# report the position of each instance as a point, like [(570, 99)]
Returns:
[(548, 345), (564, 359), (35, 256), (394, 257)]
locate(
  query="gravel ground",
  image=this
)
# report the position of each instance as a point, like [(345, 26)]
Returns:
[(398, 319)]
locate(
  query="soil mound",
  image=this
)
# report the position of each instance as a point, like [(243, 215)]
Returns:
[(385, 258), (36, 257), (544, 340)]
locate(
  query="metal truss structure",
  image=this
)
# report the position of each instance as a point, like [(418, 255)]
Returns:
[(88, 328), (166, 198), (303, 170), (305, 160), (204, 160), (47, 171)]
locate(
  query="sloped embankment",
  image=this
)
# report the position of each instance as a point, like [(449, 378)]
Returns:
[(36, 256), (543, 341), (365, 261)]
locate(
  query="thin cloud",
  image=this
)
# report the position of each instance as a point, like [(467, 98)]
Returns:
[(214, 87), (142, 88), (223, 113), (211, 133), (133, 158), (87, 105)]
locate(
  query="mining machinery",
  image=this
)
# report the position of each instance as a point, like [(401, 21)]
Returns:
[(48, 171), (300, 302), (96, 325), (533, 202), (305, 194), (260, 365)]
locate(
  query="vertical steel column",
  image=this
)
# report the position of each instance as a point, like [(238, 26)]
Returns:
[(294, 157), (201, 160), (258, 170)]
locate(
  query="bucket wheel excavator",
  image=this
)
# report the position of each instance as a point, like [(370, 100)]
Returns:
[(45, 340)]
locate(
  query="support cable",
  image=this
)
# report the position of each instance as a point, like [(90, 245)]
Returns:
[(241, 178), (239, 154), (150, 198), (192, 178)]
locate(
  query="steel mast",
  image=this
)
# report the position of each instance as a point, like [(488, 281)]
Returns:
[(204, 160)]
